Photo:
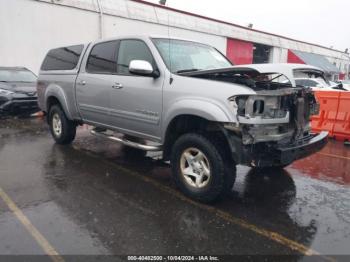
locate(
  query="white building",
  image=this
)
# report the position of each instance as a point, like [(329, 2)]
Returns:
[(29, 28)]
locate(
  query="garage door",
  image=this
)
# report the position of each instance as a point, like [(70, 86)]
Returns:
[(239, 52)]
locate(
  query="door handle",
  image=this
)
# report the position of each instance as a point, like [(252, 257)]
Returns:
[(117, 86), (82, 83)]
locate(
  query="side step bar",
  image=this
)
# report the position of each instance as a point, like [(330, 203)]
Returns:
[(126, 142)]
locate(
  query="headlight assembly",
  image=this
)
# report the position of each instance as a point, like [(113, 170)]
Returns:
[(260, 109)]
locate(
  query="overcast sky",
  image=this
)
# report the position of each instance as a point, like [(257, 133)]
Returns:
[(324, 22)]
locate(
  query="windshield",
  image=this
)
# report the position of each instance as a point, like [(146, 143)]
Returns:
[(310, 78), (8, 75), (185, 56)]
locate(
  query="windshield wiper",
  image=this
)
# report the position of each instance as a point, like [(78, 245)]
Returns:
[(3, 81), (187, 71)]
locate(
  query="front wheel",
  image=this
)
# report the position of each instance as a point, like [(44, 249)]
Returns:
[(199, 168), (62, 129)]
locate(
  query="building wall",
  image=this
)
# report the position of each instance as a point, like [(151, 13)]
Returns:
[(278, 55), (29, 28), (118, 26)]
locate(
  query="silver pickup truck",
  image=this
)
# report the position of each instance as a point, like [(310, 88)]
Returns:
[(184, 99)]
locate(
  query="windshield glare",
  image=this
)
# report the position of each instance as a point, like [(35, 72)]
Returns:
[(17, 76), (181, 55)]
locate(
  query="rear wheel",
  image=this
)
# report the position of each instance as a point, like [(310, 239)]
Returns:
[(62, 129), (199, 168)]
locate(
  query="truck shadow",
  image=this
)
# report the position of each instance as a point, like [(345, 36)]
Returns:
[(262, 198), (269, 187)]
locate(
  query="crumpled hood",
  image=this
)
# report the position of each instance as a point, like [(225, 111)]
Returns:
[(21, 88), (256, 69)]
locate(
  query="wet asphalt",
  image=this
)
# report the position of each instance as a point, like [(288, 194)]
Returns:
[(96, 197)]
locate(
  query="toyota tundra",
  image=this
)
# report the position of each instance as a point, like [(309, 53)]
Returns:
[(184, 99)]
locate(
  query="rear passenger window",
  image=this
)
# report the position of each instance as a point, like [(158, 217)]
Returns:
[(65, 58), (102, 58), (132, 50)]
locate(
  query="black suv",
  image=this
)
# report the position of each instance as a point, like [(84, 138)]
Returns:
[(18, 94)]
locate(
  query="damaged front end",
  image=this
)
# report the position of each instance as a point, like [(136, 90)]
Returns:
[(275, 115), (274, 126)]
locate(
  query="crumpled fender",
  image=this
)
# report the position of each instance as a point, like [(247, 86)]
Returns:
[(207, 109)]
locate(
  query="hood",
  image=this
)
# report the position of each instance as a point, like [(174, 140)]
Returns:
[(254, 70), (19, 87)]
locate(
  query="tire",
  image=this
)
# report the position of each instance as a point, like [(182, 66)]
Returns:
[(62, 129), (204, 155)]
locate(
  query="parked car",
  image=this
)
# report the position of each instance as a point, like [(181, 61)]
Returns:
[(182, 98), (18, 91), (318, 83)]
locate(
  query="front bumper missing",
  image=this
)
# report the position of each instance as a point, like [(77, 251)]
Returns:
[(309, 147), (274, 154), (267, 155)]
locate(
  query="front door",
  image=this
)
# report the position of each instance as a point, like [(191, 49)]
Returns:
[(136, 101)]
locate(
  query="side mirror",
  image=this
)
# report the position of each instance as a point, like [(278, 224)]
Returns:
[(142, 68)]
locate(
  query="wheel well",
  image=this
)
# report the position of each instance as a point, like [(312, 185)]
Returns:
[(52, 101), (193, 124)]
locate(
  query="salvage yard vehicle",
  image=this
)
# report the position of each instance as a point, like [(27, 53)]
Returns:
[(314, 78), (18, 94), (185, 99), (318, 84), (315, 83)]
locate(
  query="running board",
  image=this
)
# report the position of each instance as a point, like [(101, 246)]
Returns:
[(126, 142)]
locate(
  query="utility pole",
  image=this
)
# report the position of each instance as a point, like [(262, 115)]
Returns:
[(101, 23)]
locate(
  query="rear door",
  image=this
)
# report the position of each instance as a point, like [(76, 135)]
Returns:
[(136, 101), (94, 83)]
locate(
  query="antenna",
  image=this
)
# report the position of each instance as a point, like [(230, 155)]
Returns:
[(163, 2)]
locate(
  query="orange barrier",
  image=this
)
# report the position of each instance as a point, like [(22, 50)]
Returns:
[(342, 125), (325, 121), (334, 114)]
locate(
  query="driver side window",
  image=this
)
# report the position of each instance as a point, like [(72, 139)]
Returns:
[(132, 50)]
